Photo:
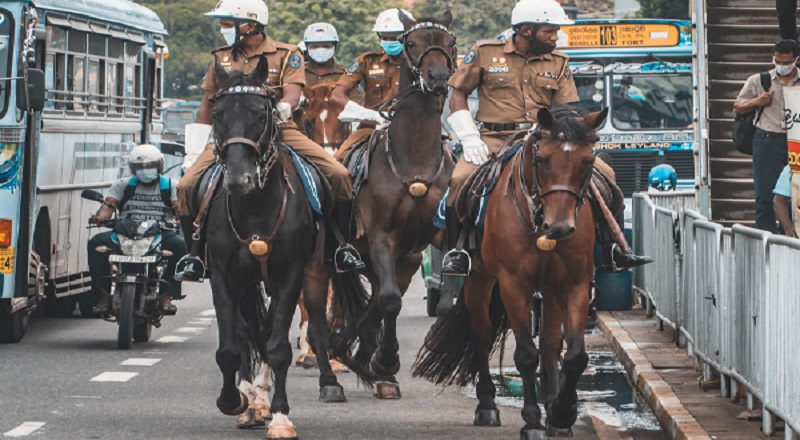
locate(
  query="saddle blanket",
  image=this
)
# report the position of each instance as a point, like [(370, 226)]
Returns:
[(309, 185)]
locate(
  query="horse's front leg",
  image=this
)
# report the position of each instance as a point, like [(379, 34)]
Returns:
[(517, 296), (229, 353), (385, 362), (550, 345), (563, 410), (285, 289)]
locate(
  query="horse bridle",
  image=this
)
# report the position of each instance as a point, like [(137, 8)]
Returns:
[(266, 157), (416, 68)]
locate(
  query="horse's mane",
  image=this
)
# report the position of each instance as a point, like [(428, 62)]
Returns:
[(569, 122), (318, 96)]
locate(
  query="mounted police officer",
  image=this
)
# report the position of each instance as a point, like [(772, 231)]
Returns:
[(515, 77), (244, 28), (378, 72), (147, 195)]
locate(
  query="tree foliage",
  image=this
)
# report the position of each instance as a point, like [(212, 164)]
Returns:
[(192, 36), (664, 9), (472, 20)]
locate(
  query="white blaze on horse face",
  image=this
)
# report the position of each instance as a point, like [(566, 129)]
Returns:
[(323, 117), (568, 147)]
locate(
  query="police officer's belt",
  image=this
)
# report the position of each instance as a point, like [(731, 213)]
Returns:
[(504, 127)]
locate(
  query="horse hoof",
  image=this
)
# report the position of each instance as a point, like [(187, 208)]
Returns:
[(487, 417), (332, 394), (552, 431), (243, 404), (281, 428), (386, 390), (264, 410), (561, 422), (380, 370), (532, 434), (249, 419), (310, 362)]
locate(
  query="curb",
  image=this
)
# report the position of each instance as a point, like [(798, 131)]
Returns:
[(668, 409)]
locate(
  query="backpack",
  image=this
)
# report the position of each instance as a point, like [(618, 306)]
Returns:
[(744, 126), (165, 186)]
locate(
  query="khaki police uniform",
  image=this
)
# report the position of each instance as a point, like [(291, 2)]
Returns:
[(318, 74), (380, 75), (511, 90), (285, 67)]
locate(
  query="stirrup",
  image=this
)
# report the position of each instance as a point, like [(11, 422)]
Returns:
[(452, 254), (358, 264)]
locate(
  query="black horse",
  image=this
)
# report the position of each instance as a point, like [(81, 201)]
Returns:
[(261, 235)]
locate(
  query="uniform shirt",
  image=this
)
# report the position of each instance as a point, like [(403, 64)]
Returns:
[(380, 75), (772, 118), (316, 74), (511, 87), (146, 202), (285, 65)]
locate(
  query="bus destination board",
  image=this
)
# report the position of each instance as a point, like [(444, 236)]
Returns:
[(621, 35)]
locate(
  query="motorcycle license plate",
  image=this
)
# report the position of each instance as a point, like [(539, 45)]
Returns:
[(131, 259)]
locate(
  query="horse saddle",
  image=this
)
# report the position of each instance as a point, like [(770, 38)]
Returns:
[(358, 158)]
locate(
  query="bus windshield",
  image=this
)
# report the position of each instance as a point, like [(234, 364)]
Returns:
[(651, 102), (6, 27)]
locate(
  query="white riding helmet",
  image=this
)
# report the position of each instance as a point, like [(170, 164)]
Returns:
[(539, 12), (251, 10), (389, 21), (320, 33), (146, 156)]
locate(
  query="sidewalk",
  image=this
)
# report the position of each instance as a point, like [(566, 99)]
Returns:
[(669, 381)]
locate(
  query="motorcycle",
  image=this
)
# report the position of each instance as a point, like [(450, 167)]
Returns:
[(138, 264)]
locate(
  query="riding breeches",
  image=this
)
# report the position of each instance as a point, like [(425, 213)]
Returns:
[(335, 172)]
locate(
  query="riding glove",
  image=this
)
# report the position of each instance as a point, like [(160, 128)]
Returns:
[(475, 150), (355, 113), (284, 111)]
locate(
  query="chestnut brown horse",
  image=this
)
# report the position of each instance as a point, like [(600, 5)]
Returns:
[(538, 236), (409, 169), (320, 120)]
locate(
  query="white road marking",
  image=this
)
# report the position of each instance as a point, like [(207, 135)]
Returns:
[(209, 312), (169, 339), (114, 376), (189, 330), (141, 362), (24, 429)]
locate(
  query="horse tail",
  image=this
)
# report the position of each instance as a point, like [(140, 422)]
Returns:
[(354, 299), (449, 356), (259, 325)]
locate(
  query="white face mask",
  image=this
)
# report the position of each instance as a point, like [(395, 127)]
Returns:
[(322, 55), (147, 175), (784, 69), (229, 34)]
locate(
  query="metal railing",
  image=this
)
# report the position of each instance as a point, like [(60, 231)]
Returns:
[(732, 297)]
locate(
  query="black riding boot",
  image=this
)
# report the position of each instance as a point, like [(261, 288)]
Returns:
[(189, 267), (346, 257), (618, 256), (456, 261)]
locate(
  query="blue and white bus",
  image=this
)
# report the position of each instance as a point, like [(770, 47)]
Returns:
[(93, 70)]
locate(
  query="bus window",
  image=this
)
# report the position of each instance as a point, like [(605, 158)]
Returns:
[(590, 93), (6, 27), (115, 74), (651, 102)]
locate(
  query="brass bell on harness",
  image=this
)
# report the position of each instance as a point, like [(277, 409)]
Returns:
[(545, 244), (258, 247), (417, 189)]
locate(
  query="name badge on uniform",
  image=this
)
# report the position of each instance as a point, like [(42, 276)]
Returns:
[(377, 73), (550, 75), (498, 68)]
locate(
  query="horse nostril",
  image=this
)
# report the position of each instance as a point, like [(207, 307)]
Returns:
[(546, 227), (571, 231), (249, 179)]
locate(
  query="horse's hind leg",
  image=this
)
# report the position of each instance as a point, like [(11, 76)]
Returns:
[(517, 295), (478, 290), (255, 384), (229, 323), (563, 411)]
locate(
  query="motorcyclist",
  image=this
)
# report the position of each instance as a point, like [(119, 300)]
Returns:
[(146, 195)]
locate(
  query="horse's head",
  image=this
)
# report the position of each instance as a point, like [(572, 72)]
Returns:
[(429, 51), (563, 160), (321, 120), (243, 126)]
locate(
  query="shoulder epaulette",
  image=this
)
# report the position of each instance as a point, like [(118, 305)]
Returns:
[(285, 46), (490, 43)]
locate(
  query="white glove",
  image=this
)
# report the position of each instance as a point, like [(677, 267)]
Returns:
[(284, 111), (475, 150), (197, 138), (354, 113)]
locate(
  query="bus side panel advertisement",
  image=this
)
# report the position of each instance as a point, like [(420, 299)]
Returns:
[(791, 96)]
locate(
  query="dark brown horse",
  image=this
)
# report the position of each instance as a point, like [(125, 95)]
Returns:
[(539, 236), (408, 174)]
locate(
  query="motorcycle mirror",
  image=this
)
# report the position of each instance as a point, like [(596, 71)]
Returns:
[(90, 194)]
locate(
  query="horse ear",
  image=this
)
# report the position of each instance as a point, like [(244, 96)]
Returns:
[(261, 72), (545, 118), (219, 72), (595, 120), (446, 18), (408, 23)]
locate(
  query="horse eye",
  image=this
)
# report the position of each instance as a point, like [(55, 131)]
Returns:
[(410, 44), (453, 43)]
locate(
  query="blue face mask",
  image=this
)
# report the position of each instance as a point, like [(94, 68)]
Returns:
[(393, 48), (147, 175)]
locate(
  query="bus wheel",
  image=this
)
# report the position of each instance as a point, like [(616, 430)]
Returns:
[(13, 325)]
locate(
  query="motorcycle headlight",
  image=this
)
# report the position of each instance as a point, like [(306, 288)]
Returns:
[(135, 248)]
